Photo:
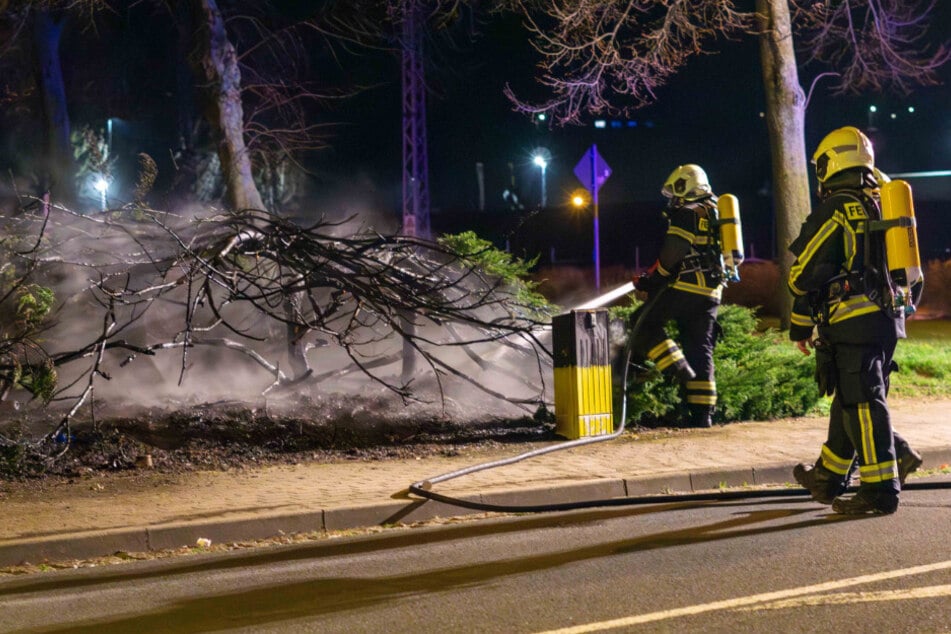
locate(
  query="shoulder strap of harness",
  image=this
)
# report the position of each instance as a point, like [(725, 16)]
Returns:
[(706, 257), (872, 278)]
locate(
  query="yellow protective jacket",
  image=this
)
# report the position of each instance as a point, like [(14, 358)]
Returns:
[(689, 259), (832, 286)]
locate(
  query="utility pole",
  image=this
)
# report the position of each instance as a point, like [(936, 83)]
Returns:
[(415, 157)]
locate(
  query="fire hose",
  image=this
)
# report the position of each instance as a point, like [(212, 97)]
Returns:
[(423, 488)]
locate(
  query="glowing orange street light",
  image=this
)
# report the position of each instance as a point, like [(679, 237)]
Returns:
[(579, 199)]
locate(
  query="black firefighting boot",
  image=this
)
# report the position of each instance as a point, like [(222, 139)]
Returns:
[(908, 461), (682, 371), (700, 416), (824, 485), (877, 500)]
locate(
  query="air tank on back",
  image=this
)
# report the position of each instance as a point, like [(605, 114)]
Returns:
[(731, 236), (901, 239)]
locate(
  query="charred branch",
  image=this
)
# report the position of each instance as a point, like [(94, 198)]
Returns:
[(159, 284)]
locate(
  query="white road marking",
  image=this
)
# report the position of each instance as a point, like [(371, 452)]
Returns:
[(741, 602), (845, 598)]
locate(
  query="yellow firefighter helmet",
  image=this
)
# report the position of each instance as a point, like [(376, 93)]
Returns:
[(688, 182), (841, 149)]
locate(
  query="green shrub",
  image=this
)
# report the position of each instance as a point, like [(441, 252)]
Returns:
[(759, 375), (923, 361), (24, 310), (34, 303), (513, 272)]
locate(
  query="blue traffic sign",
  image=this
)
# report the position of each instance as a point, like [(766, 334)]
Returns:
[(592, 170)]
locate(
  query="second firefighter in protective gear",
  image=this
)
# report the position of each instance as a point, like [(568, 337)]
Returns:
[(685, 285), (841, 284)]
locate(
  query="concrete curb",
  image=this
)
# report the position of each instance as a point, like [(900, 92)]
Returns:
[(99, 543)]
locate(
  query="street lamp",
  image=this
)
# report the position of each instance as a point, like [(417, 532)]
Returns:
[(580, 199), (541, 157), (102, 186)]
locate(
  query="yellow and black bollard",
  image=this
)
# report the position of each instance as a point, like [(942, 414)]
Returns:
[(583, 401)]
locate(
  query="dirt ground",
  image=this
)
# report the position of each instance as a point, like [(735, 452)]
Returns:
[(231, 434), (122, 439)]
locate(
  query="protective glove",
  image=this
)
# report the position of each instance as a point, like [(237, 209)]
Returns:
[(648, 283), (639, 281), (825, 368)]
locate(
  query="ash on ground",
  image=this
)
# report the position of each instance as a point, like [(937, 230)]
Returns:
[(231, 434)]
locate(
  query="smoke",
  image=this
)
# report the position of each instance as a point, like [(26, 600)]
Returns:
[(122, 280), (358, 198)]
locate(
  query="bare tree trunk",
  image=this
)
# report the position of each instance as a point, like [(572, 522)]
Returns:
[(294, 335), (59, 169), (217, 66), (785, 122)]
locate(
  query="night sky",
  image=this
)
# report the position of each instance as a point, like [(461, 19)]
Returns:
[(710, 114)]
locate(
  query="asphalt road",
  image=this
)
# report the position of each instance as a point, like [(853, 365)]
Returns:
[(774, 564)]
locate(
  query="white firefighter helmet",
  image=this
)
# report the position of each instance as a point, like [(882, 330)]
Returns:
[(843, 149), (688, 182)]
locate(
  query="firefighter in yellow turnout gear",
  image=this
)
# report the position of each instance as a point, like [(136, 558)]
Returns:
[(689, 273), (842, 286)]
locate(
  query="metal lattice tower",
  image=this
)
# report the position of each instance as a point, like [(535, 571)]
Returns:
[(415, 158)]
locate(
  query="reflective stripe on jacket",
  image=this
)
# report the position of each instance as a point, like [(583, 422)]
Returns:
[(688, 241), (830, 246)]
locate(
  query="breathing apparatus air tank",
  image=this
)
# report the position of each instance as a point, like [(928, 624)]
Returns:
[(901, 239), (731, 236)]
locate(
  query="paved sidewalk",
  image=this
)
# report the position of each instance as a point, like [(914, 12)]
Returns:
[(155, 511)]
